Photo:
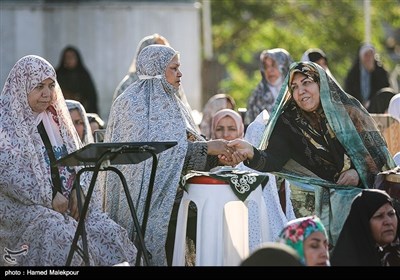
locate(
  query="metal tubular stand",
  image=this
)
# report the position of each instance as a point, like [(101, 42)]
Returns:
[(101, 166)]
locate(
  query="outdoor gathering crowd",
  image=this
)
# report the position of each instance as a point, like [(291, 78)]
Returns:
[(328, 197)]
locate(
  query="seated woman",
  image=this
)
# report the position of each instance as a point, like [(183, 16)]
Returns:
[(38, 203), (80, 121), (308, 237), (214, 104), (97, 125), (150, 111), (370, 235), (227, 124), (319, 136), (274, 65)]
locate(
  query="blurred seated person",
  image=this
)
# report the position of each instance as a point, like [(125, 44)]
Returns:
[(97, 125), (273, 65), (227, 124), (380, 102), (318, 56), (80, 121), (75, 80), (370, 235), (214, 104), (396, 158), (307, 236), (131, 76), (366, 76), (394, 107)]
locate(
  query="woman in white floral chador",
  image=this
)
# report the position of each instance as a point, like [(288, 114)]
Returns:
[(38, 213)]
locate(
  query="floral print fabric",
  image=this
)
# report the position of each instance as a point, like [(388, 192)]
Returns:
[(27, 219)]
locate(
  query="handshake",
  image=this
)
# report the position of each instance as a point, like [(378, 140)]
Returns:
[(230, 152)]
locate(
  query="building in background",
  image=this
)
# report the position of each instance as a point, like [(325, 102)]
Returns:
[(106, 33)]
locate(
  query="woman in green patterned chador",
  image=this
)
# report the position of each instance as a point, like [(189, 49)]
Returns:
[(320, 136)]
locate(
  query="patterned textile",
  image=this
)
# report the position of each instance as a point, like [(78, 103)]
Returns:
[(264, 95), (132, 77), (276, 217), (214, 104), (27, 221), (241, 182), (87, 134), (364, 85), (150, 111), (356, 131), (296, 232)]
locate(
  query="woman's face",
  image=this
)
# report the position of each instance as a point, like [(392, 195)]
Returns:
[(383, 225), (272, 73), (322, 62), (305, 92), (78, 122), (172, 73), (94, 126), (70, 60), (316, 251), (226, 129), (368, 60), (42, 95)]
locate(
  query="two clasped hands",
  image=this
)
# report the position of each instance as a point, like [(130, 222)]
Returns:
[(230, 152), (235, 151), (68, 207)]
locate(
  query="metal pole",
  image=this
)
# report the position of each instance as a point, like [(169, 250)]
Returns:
[(207, 35), (367, 21)]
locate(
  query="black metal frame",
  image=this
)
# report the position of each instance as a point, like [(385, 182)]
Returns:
[(102, 165)]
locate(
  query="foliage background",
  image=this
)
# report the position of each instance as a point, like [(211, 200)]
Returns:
[(241, 29)]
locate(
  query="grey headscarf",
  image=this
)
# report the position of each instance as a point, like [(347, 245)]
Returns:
[(149, 111)]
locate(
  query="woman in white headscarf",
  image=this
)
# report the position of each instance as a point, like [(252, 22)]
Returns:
[(366, 76), (80, 121), (150, 111), (38, 203)]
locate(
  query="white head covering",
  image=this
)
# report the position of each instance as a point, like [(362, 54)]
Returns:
[(394, 107), (364, 48), (21, 147), (87, 131)]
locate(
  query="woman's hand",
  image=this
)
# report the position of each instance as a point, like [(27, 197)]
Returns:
[(349, 177), (242, 150), (219, 147), (73, 203), (60, 203)]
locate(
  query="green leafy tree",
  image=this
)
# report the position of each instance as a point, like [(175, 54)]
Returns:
[(243, 28)]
